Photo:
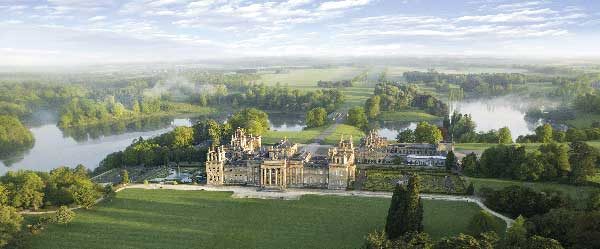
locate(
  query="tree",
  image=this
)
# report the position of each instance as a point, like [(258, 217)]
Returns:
[(544, 133), (556, 158), (483, 222), (504, 136), (372, 106), (377, 240), (450, 162), (182, 136), (470, 189), (427, 133), (85, 195), (14, 136), (316, 117), (25, 188), (406, 136), (470, 164), (516, 235), (124, 177), (253, 120), (539, 242), (406, 210), (4, 195), (136, 109), (464, 241), (583, 158), (63, 215), (10, 224), (357, 118)]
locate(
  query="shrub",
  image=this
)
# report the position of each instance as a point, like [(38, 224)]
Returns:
[(64, 215)]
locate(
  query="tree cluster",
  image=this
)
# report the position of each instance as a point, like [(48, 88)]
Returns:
[(485, 84), (545, 134), (423, 133), (461, 128), (14, 136), (316, 117), (550, 162), (399, 97), (518, 200), (334, 84)]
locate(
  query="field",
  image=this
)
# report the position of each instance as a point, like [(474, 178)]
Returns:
[(299, 78), (302, 137), (356, 96), (408, 116), (577, 193), (139, 218), (346, 131), (438, 182), (583, 120)]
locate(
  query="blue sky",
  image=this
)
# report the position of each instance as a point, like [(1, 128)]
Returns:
[(86, 31)]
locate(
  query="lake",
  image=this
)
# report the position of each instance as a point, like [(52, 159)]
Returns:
[(88, 146), (493, 113)]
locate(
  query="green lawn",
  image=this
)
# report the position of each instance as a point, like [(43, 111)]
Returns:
[(577, 193), (302, 137), (344, 130), (139, 218), (408, 116)]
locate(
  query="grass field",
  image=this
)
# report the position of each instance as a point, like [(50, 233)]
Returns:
[(301, 137), (407, 116), (577, 193), (346, 131), (356, 96), (139, 218), (308, 77)]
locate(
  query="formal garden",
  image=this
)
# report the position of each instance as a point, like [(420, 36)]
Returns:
[(433, 180)]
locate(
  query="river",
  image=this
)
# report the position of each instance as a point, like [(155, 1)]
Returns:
[(493, 113), (88, 146)]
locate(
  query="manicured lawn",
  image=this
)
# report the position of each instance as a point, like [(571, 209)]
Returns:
[(139, 218), (346, 131), (578, 193), (408, 116), (302, 137)]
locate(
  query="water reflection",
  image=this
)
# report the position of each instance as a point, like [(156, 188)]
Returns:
[(286, 122), (499, 112)]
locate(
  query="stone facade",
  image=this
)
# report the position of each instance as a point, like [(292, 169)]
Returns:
[(374, 149), (246, 162)]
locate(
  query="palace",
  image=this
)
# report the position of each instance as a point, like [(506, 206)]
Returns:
[(374, 149), (246, 162)]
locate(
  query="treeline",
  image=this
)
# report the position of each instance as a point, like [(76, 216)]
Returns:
[(14, 137), (21, 99), (285, 99), (185, 144), (81, 111), (588, 103), (334, 84), (400, 97), (545, 134), (572, 163), (28, 190), (485, 84), (61, 186), (549, 214)]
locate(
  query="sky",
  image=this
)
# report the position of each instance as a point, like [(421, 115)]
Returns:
[(65, 32)]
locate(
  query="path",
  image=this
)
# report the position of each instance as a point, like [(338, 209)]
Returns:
[(314, 146)]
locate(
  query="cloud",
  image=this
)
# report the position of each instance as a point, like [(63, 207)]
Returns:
[(528, 15), (344, 4), (96, 18)]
